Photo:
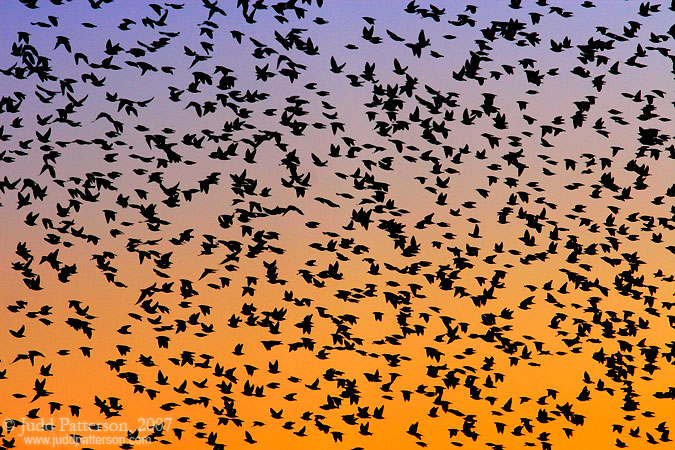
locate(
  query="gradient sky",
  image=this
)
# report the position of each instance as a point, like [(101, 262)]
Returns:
[(518, 309)]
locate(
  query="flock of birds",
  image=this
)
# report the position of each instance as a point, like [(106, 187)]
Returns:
[(291, 219)]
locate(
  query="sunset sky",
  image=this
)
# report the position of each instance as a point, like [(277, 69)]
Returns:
[(337, 224)]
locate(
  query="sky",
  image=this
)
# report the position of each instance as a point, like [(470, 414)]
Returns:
[(337, 224)]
